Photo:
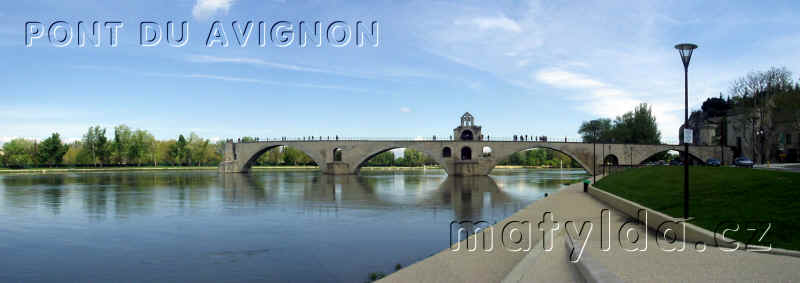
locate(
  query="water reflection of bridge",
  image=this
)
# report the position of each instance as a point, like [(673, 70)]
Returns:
[(468, 197)]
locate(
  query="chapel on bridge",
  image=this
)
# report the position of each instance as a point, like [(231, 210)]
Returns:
[(467, 131)]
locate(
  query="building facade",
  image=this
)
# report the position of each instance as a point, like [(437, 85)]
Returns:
[(747, 136)]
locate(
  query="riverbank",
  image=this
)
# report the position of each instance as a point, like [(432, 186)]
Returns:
[(141, 168), (101, 169), (718, 195), (46, 170)]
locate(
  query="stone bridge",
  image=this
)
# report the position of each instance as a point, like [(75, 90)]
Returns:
[(457, 158), (466, 153)]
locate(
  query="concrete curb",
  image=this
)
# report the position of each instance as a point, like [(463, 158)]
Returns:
[(691, 233), (590, 270)]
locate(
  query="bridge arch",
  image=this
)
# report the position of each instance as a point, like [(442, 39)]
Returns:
[(611, 159), (363, 160), (255, 154), (466, 153), (447, 152), (647, 155), (337, 154), (584, 162)]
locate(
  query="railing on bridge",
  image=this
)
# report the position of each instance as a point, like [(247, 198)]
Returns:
[(430, 138)]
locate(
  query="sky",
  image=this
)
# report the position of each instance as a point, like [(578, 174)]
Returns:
[(520, 67)]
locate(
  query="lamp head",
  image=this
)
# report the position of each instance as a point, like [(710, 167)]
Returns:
[(685, 50)]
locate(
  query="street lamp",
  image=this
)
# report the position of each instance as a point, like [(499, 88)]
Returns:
[(686, 50), (594, 154)]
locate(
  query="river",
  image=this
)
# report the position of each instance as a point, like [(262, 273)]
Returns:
[(269, 225)]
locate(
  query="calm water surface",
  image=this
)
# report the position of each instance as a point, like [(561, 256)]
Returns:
[(265, 226)]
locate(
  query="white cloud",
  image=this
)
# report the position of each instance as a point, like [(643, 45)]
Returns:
[(602, 61), (205, 9), (564, 79), (251, 61), (220, 78), (252, 80), (605, 100), (387, 72), (501, 22), (405, 109)]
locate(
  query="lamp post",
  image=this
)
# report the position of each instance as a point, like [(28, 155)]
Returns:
[(685, 50), (594, 155), (761, 145), (753, 137)]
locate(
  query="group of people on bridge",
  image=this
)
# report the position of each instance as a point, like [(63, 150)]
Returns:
[(526, 138), (308, 138)]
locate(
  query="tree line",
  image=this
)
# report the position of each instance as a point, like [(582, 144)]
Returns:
[(138, 147), (127, 148), (410, 158)]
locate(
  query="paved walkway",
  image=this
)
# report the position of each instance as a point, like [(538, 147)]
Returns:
[(571, 204), (789, 167)]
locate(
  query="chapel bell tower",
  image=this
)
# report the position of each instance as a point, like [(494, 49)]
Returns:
[(467, 131)]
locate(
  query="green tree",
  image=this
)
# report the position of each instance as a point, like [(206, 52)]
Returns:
[(121, 144), (296, 157), (597, 130), (96, 144), (637, 127), (76, 155), (141, 147), (164, 152), (385, 158), (178, 152), (787, 107), (51, 151), (272, 157), (18, 153), (198, 149), (413, 157), (716, 106)]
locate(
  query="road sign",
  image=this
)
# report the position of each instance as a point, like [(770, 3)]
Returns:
[(687, 136)]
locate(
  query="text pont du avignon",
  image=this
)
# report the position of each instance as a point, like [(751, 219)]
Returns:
[(220, 34)]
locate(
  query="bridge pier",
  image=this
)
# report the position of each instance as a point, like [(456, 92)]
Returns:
[(337, 168)]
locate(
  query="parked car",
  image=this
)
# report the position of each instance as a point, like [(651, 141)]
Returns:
[(675, 162), (743, 162), (713, 162), (661, 162)]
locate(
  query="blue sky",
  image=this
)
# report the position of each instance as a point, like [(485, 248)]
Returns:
[(531, 67)]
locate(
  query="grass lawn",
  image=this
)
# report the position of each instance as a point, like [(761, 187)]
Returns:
[(719, 195)]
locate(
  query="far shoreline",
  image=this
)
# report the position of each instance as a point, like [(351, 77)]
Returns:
[(46, 170)]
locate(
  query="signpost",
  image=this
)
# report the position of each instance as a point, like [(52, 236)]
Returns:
[(687, 136)]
